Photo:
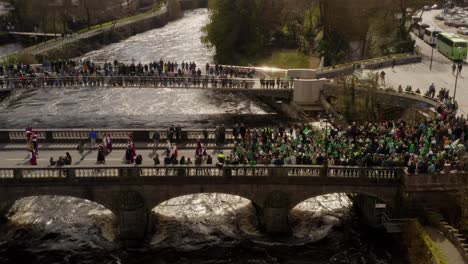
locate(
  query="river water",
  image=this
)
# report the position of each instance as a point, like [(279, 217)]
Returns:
[(5, 8), (142, 108), (177, 41), (203, 228)]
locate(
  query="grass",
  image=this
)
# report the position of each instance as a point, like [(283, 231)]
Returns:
[(422, 244), (285, 59)]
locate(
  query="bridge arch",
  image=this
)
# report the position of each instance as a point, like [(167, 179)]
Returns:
[(10, 197), (384, 196), (45, 206)]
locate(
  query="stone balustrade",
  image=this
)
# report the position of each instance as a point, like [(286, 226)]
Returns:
[(334, 173), (71, 135)]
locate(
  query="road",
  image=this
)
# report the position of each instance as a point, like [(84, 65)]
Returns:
[(421, 76), (429, 18), (15, 158)]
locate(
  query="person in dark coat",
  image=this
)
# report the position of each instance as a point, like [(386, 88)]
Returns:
[(101, 157)]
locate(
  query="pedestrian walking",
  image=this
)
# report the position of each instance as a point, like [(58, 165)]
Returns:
[(101, 156), (80, 149), (32, 157), (178, 133), (156, 137), (382, 77), (460, 66), (92, 136), (454, 68), (35, 144), (107, 142)]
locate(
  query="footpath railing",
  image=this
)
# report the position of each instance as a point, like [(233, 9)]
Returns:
[(335, 174), (138, 135), (333, 88), (150, 81)]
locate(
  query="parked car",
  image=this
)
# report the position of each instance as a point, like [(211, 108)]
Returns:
[(462, 30), (449, 22), (459, 23), (440, 17)]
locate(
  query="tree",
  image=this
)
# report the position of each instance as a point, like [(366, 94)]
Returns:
[(240, 29)]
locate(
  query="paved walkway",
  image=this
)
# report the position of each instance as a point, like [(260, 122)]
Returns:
[(445, 246), (419, 75), (123, 145), (115, 158)]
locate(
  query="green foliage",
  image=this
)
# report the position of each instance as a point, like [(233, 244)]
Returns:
[(23, 58), (334, 48), (421, 248), (248, 30), (241, 28), (284, 59)]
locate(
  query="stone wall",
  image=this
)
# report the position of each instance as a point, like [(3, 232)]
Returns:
[(348, 69)]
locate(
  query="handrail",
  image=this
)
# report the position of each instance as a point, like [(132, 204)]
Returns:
[(259, 166), (125, 171), (146, 80)]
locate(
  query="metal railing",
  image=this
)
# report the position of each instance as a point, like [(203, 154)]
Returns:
[(150, 81), (346, 174)]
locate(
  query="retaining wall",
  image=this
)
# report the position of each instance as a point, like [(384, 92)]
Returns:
[(371, 64)]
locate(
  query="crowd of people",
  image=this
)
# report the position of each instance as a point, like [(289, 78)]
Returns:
[(73, 68), (428, 147), (157, 74)]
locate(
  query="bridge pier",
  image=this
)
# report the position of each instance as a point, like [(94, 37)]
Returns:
[(132, 219), (274, 215)]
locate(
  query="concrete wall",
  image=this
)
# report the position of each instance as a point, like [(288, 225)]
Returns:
[(371, 64), (307, 92), (302, 73)]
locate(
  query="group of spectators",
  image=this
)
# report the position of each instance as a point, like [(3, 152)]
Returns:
[(157, 74), (431, 146), (428, 147), (73, 68)]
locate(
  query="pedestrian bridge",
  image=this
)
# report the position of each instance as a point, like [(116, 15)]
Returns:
[(300, 91), (34, 34), (282, 89), (130, 192)]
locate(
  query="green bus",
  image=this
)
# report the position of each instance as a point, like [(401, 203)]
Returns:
[(452, 46)]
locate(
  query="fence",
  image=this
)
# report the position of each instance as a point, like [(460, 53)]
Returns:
[(335, 174), (150, 81)]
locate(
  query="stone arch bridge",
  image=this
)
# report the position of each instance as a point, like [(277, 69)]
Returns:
[(132, 192)]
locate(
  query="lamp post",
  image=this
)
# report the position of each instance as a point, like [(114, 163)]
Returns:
[(325, 118), (432, 55), (456, 81)]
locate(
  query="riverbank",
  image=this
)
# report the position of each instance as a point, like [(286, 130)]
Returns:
[(91, 39), (98, 41)]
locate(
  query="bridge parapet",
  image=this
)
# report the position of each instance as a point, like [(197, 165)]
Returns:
[(331, 174), (427, 182), (72, 134)]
